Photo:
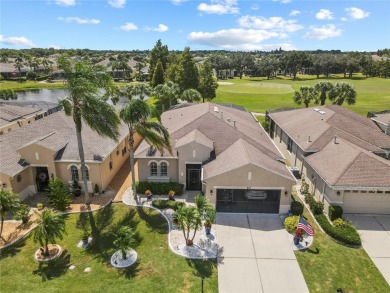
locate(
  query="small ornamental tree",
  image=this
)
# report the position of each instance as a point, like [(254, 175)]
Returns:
[(189, 218), (59, 194), (9, 202), (125, 240)]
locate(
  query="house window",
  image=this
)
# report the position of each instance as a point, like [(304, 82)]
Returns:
[(74, 173), (153, 169), (86, 173), (110, 165), (163, 169), (289, 145)]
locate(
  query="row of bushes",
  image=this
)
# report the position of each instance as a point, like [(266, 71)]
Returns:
[(159, 187), (316, 207), (335, 212), (345, 233), (167, 204), (296, 208)]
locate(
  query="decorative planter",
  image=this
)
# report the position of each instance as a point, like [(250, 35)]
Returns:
[(189, 242), (296, 240), (208, 230)]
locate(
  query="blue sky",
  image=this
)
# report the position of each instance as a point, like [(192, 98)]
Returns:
[(362, 25)]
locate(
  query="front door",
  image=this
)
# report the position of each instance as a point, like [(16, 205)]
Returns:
[(42, 178), (193, 177)]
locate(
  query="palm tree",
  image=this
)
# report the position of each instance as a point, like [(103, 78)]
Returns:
[(51, 225), (124, 240), (136, 114), (341, 92), (85, 104), (9, 202), (323, 88), (19, 65), (189, 218), (305, 95), (191, 95), (168, 90)]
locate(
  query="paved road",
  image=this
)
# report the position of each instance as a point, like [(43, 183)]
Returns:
[(257, 255), (375, 234)]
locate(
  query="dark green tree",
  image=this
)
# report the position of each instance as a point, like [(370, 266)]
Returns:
[(323, 88), (342, 92), (9, 202), (305, 95), (159, 52), (207, 84), (158, 75), (188, 75), (59, 194), (191, 96)]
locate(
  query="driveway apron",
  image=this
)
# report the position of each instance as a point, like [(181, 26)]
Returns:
[(257, 255)]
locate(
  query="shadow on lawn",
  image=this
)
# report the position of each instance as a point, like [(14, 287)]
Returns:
[(202, 267), (130, 272), (13, 249), (53, 269), (154, 220)]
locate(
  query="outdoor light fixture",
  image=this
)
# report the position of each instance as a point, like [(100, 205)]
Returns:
[(211, 192), (286, 193)]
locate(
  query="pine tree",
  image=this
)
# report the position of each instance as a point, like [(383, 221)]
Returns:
[(207, 84), (188, 75), (158, 75)]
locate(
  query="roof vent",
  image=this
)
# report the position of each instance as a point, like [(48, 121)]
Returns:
[(316, 109), (309, 139), (216, 109), (322, 112), (234, 123), (335, 139), (228, 119), (221, 115)]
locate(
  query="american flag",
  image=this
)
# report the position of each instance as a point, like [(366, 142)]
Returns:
[(302, 224)]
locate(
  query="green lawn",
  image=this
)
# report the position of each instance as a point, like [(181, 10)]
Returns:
[(328, 266), (260, 94), (21, 86), (157, 270)]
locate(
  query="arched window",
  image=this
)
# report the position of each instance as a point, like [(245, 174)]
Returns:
[(163, 169), (153, 169), (86, 173), (74, 173)]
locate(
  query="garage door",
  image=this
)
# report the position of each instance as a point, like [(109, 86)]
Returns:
[(248, 201), (366, 203)]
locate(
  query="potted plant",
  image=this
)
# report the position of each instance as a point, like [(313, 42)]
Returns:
[(148, 194), (207, 226), (209, 217), (40, 206), (84, 236), (76, 189), (23, 213), (96, 190), (171, 195)]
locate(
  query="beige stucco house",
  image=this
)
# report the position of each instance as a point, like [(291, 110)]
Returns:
[(343, 156), (32, 154), (224, 152)]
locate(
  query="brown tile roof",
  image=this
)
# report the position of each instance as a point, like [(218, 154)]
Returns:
[(301, 123), (55, 132), (242, 153), (382, 118), (345, 164), (10, 113), (194, 136)]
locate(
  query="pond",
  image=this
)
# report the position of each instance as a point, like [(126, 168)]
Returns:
[(50, 95)]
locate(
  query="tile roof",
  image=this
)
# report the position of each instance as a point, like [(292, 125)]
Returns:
[(382, 118), (301, 124), (55, 132), (221, 126), (10, 113), (242, 153), (345, 164)]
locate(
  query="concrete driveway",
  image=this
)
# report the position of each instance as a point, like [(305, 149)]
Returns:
[(375, 234), (257, 255)]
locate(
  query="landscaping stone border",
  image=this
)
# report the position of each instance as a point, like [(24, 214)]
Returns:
[(119, 263), (60, 250)]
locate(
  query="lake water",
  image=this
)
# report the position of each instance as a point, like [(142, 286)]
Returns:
[(51, 95)]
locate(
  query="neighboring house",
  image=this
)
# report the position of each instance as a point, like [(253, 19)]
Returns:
[(36, 152), (16, 114), (382, 119), (343, 156), (8, 70), (224, 152)]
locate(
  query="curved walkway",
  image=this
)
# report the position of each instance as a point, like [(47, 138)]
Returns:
[(205, 247)]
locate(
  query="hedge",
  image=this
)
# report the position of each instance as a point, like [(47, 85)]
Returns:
[(291, 223), (347, 235), (165, 204), (296, 208), (316, 207), (159, 187), (335, 212)]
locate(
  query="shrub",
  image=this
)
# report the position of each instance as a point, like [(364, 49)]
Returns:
[(304, 188), (167, 204), (23, 213), (340, 223), (317, 207), (59, 194), (347, 235), (8, 95), (291, 223), (159, 187), (335, 212), (296, 208), (96, 189)]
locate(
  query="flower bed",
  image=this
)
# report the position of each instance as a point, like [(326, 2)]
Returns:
[(167, 204), (159, 187)]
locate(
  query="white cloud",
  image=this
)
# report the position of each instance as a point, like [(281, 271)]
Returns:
[(357, 13), (178, 2), (17, 41), (219, 7), (117, 3), (233, 39), (343, 19), (129, 26), (161, 28), (294, 12), (323, 32), (283, 1), (65, 2), (80, 20), (324, 14), (272, 23), (255, 7)]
